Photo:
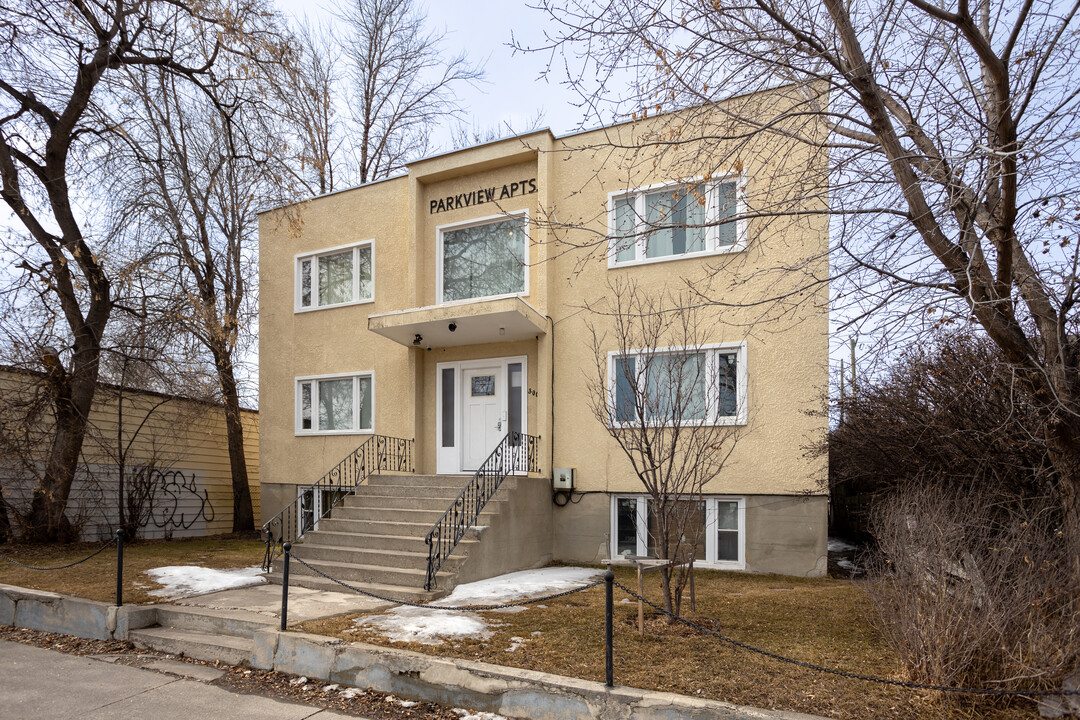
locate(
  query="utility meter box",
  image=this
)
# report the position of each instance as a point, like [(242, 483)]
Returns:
[(563, 479)]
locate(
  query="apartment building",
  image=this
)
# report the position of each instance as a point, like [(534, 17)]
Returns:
[(450, 307)]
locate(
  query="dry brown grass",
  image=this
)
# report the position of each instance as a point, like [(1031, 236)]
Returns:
[(821, 621), (96, 579)]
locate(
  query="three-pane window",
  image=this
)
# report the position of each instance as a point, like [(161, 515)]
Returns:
[(668, 387), (675, 221), (713, 529), (335, 404), (335, 277), (484, 259)]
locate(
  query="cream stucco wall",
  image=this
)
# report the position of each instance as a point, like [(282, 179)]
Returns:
[(787, 344)]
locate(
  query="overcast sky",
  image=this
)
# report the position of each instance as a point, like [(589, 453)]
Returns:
[(513, 90)]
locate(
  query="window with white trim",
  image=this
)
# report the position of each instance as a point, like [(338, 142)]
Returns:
[(717, 529), (668, 386), (485, 258), (676, 220), (335, 404), (338, 276)]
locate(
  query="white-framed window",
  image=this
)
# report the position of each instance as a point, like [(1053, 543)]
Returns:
[(483, 258), (685, 386), (334, 277), (335, 404), (718, 529), (676, 220)]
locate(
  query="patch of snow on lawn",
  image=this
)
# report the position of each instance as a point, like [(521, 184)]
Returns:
[(424, 626), (519, 585), (430, 626), (186, 580)]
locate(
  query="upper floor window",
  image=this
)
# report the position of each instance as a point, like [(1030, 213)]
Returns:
[(334, 404), (483, 258), (338, 276), (677, 220), (680, 387)]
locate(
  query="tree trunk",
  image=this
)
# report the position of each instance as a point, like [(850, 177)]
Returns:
[(72, 396), (243, 515)]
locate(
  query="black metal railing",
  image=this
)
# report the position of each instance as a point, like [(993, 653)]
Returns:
[(517, 452), (313, 503)]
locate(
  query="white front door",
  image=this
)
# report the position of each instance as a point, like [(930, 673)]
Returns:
[(483, 413)]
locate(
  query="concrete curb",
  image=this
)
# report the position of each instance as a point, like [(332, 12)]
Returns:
[(448, 681), (491, 688)]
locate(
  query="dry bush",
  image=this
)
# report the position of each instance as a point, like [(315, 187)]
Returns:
[(973, 589)]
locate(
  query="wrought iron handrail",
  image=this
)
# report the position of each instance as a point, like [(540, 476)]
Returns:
[(378, 452), (516, 452)]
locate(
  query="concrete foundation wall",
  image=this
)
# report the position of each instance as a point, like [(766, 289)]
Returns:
[(518, 537), (784, 534)]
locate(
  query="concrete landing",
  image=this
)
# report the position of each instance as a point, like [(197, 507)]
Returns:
[(304, 603)]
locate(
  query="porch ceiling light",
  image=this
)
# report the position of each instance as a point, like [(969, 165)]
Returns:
[(452, 326), (418, 339)]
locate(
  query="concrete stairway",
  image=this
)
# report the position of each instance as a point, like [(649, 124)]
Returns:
[(226, 635), (375, 539)]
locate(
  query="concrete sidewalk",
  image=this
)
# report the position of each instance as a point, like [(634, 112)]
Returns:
[(37, 684)]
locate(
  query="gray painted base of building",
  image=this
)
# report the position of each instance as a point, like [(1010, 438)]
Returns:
[(493, 688), (785, 534)]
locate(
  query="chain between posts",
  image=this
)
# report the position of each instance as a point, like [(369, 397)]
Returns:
[(61, 567), (845, 673), (459, 608)]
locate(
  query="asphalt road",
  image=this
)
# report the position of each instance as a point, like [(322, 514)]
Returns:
[(37, 684)]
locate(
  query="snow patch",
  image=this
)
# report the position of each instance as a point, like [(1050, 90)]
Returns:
[(186, 580), (519, 585), (424, 626), (469, 715), (431, 626)]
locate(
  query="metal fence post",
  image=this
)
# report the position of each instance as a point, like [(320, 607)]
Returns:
[(119, 567), (609, 610), (287, 547)]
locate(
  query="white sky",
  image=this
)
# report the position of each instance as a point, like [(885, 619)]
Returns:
[(513, 90)]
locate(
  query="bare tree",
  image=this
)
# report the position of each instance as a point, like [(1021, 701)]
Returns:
[(951, 137), (53, 69), (306, 87), (195, 172), (402, 85), (671, 403)]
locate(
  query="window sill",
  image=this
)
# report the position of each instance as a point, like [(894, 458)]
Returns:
[(483, 298), (298, 310), (323, 433), (731, 250), (738, 421)]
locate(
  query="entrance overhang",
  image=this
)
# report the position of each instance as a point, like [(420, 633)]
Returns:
[(475, 323)]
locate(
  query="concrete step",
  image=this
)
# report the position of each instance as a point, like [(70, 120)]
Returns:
[(396, 593), (392, 559), (403, 515), (433, 491), (457, 481), (374, 541), (195, 644), (376, 574), (362, 500), (237, 623)]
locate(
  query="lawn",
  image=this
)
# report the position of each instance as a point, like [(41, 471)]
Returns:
[(95, 579), (821, 621)]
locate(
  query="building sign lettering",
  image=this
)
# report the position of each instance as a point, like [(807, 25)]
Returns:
[(481, 195)]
